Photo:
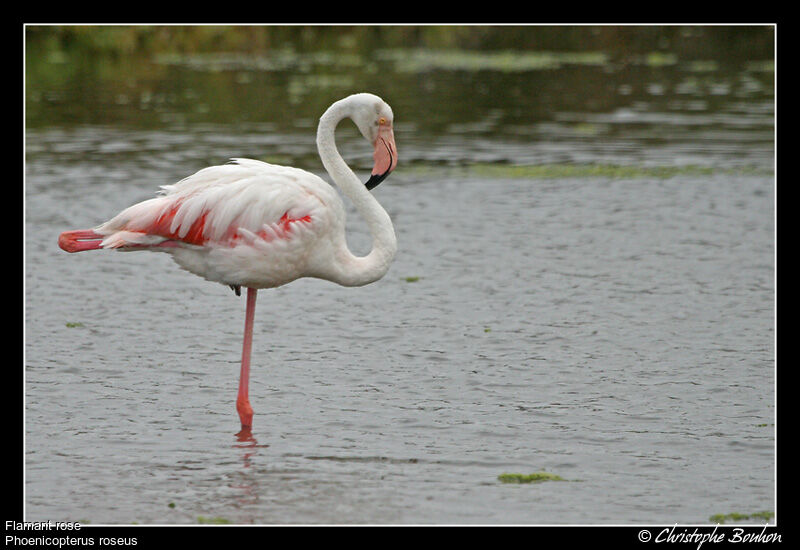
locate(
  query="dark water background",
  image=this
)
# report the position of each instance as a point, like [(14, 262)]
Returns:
[(584, 283)]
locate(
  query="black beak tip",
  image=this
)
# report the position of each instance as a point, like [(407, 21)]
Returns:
[(375, 179)]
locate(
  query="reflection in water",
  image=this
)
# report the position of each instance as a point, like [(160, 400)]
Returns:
[(246, 436), (249, 481), (288, 89), (248, 442)]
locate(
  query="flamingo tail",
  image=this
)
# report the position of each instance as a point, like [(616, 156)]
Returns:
[(80, 240)]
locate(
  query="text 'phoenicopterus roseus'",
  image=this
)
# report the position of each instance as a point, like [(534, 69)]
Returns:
[(257, 225)]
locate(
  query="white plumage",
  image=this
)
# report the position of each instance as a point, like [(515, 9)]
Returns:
[(245, 223)]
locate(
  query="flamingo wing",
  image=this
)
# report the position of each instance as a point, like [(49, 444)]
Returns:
[(240, 202)]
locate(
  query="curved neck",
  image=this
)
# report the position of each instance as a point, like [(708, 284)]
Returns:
[(351, 270)]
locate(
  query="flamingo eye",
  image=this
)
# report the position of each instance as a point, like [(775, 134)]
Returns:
[(382, 121)]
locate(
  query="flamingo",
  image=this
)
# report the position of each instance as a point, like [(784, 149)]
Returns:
[(250, 224)]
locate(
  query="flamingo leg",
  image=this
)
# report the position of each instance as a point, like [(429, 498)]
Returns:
[(243, 399)]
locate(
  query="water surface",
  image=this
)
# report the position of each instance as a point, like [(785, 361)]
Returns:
[(584, 286)]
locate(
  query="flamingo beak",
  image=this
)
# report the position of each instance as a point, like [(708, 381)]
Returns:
[(385, 156)]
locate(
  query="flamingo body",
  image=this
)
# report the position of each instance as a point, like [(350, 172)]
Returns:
[(246, 223), (258, 225)]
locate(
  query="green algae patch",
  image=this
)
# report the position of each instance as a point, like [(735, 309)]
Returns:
[(411, 279), (554, 171), (212, 521), (560, 171), (766, 66), (536, 477), (423, 60), (736, 516), (660, 59), (74, 325)]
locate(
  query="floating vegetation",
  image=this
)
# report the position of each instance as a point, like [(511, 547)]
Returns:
[(619, 40), (423, 60), (765, 66), (536, 477), (565, 171), (735, 516), (702, 66), (74, 324), (615, 171), (660, 59), (212, 521), (283, 59), (411, 279)]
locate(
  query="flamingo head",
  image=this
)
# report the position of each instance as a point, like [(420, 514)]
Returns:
[(375, 121)]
